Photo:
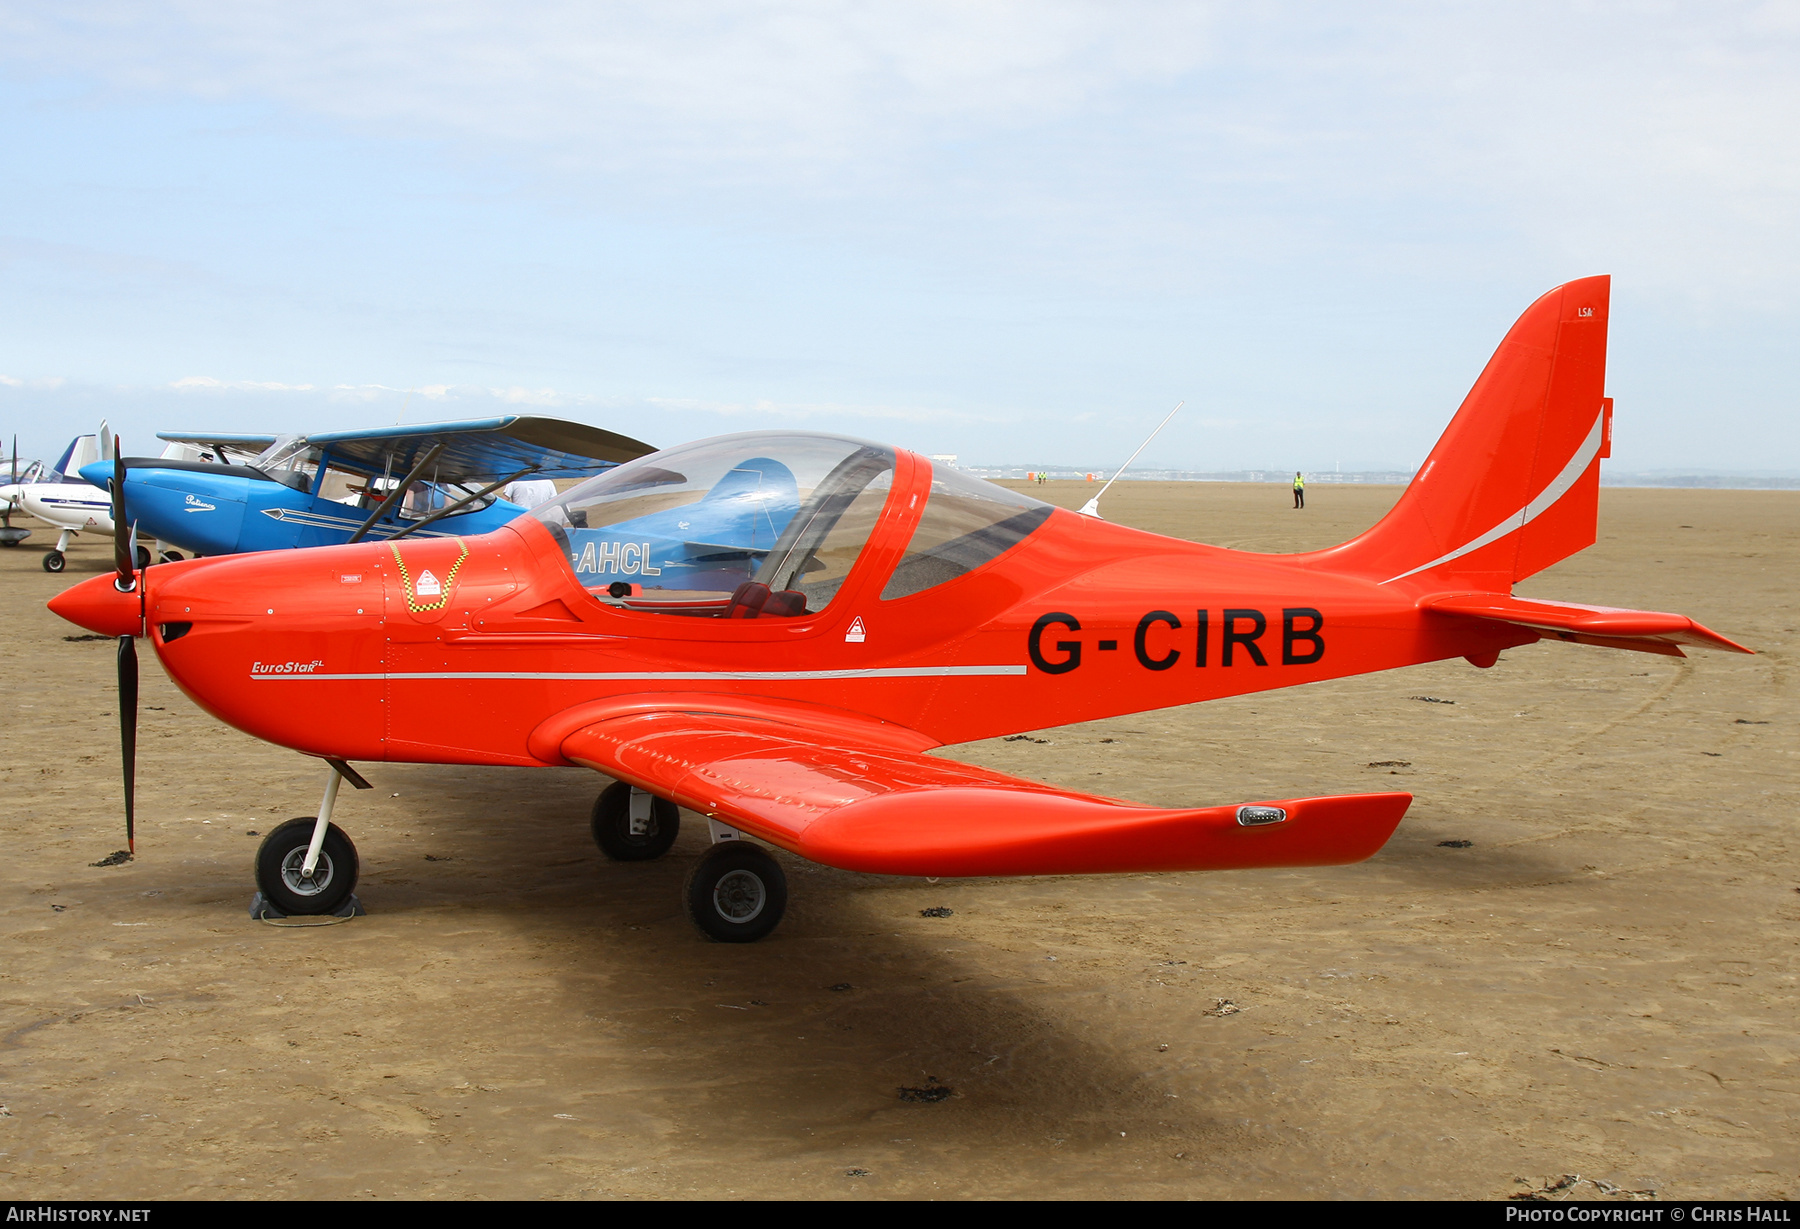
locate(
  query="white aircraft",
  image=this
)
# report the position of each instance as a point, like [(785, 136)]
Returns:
[(66, 500), (61, 498), (17, 475)]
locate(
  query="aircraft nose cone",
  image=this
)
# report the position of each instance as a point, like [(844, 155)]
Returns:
[(98, 606)]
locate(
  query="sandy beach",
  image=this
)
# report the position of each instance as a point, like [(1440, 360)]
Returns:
[(1599, 978)]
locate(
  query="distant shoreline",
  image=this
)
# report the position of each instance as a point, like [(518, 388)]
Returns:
[(1648, 479)]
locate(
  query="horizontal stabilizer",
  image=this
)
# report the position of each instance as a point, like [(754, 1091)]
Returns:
[(888, 811), (716, 552), (1648, 631)]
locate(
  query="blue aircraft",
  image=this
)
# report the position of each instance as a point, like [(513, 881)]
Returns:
[(712, 544), (433, 480)]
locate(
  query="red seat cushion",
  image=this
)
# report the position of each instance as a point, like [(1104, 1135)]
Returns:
[(748, 601), (788, 602)]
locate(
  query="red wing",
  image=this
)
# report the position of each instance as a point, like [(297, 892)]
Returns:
[(1649, 631), (865, 808)]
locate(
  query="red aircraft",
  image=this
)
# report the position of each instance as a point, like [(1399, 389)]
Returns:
[(903, 607)]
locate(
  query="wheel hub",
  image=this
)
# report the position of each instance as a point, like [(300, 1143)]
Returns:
[(740, 896), (299, 883)]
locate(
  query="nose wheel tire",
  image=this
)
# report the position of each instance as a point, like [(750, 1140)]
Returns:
[(54, 561), (623, 839), (280, 866), (737, 893), (143, 557)]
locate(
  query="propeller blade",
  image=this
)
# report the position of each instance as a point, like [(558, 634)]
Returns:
[(128, 716), (124, 557)]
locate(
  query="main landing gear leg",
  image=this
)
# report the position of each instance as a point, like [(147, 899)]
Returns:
[(634, 825), (736, 893)]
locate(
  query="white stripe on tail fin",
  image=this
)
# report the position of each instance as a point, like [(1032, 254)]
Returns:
[(1513, 485), (1546, 499)]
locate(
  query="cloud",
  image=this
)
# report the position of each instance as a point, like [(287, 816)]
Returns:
[(209, 384), (360, 392), (808, 211), (785, 81), (829, 412), (529, 396), (1128, 141)]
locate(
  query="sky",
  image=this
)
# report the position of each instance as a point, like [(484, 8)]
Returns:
[(1015, 232)]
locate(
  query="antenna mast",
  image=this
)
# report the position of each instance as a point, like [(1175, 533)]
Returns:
[(1092, 506)]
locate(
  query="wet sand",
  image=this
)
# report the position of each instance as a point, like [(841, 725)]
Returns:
[(1602, 983)]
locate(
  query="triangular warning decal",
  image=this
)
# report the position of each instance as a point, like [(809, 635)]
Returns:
[(856, 634)]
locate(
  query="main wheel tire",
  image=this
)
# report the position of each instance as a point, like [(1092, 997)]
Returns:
[(171, 556), (283, 853), (143, 557), (737, 893), (54, 561), (611, 825)]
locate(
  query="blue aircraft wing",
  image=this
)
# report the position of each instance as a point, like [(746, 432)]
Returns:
[(243, 445), (475, 450), (482, 450)]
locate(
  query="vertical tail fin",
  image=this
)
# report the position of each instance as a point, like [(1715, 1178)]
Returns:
[(1513, 485)]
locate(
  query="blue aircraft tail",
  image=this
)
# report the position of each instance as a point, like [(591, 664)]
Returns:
[(765, 489)]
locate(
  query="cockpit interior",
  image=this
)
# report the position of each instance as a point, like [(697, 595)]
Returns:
[(770, 525)]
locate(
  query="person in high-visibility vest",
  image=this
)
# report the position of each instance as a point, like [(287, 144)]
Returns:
[(1299, 491)]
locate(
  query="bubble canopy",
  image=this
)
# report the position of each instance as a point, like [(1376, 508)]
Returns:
[(785, 513)]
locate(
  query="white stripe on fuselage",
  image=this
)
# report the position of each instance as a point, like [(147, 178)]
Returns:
[(1559, 486), (582, 676), (320, 520)]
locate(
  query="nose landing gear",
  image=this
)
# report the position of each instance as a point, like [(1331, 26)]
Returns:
[(284, 881), (308, 866)]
